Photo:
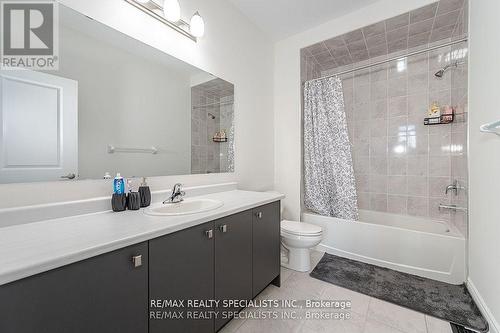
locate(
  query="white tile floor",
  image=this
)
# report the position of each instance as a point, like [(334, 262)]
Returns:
[(368, 315)]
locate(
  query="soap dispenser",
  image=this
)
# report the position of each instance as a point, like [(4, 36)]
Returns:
[(133, 198), (145, 193)]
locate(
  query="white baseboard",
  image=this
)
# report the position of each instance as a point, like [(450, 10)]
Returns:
[(494, 327)]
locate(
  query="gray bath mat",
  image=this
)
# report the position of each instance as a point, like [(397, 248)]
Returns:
[(438, 299)]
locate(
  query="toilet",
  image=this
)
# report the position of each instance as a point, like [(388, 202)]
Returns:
[(298, 238)]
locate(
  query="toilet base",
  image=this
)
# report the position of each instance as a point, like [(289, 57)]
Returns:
[(298, 260)]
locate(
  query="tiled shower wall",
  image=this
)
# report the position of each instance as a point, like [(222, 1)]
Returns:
[(402, 166), (459, 158), (309, 68)]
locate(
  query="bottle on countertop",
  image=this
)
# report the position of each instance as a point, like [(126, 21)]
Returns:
[(145, 193), (119, 199), (133, 198), (119, 184)]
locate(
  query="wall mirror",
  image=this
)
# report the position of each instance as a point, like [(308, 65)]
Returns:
[(114, 105)]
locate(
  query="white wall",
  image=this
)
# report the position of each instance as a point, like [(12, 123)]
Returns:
[(484, 156), (201, 78), (287, 103), (233, 49)]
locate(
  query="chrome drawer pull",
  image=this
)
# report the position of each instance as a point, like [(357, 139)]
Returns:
[(137, 261), (209, 234)]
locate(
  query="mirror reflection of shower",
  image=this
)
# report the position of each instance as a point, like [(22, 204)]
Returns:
[(212, 127)]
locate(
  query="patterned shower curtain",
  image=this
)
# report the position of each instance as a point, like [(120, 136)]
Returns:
[(330, 187)]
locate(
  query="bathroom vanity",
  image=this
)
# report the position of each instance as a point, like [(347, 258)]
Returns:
[(230, 253)]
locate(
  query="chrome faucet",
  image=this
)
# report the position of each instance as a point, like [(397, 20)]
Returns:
[(177, 195), (454, 187)]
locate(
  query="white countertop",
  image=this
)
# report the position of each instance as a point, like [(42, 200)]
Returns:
[(32, 248)]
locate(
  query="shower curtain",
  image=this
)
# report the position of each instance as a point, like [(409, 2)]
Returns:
[(330, 187)]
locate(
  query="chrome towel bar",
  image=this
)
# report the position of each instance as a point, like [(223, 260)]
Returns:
[(112, 149), (493, 128)]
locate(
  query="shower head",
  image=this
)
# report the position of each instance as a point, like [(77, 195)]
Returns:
[(211, 115), (441, 72)]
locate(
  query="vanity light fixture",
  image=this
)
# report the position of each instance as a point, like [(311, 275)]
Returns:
[(172, 10), (197, 25), (170, 15)]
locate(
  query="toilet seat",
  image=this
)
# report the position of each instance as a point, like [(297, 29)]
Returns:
[(300, 228)]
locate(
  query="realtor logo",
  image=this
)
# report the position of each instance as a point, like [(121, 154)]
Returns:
[(29, 35)]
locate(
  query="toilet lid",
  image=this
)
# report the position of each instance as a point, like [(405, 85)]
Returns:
[(300, 228)]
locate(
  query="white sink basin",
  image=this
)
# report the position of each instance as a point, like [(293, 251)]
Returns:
[(186, 207)]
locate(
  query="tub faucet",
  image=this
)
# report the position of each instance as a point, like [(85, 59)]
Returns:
[(177, 194), (454, 187)]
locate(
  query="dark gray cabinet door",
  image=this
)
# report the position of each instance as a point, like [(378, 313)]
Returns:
[(233, 262), (181, 267), (102, 294), (266, 246)]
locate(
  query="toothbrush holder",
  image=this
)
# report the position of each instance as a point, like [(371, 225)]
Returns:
[(119, 202)]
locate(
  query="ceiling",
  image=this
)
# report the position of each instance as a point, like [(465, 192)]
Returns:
[(283, 18), (435, 22)]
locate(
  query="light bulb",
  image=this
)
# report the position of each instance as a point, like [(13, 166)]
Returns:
[(172, 10), (197, 25)]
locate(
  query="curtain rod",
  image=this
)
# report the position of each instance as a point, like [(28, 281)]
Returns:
[(212, 104), (392, 59)]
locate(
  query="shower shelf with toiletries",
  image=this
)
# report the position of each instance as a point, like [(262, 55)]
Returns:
[(441, 120), (439, 115), (220, 136)]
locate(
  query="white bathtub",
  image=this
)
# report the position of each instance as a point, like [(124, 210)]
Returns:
[(414, 245)]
